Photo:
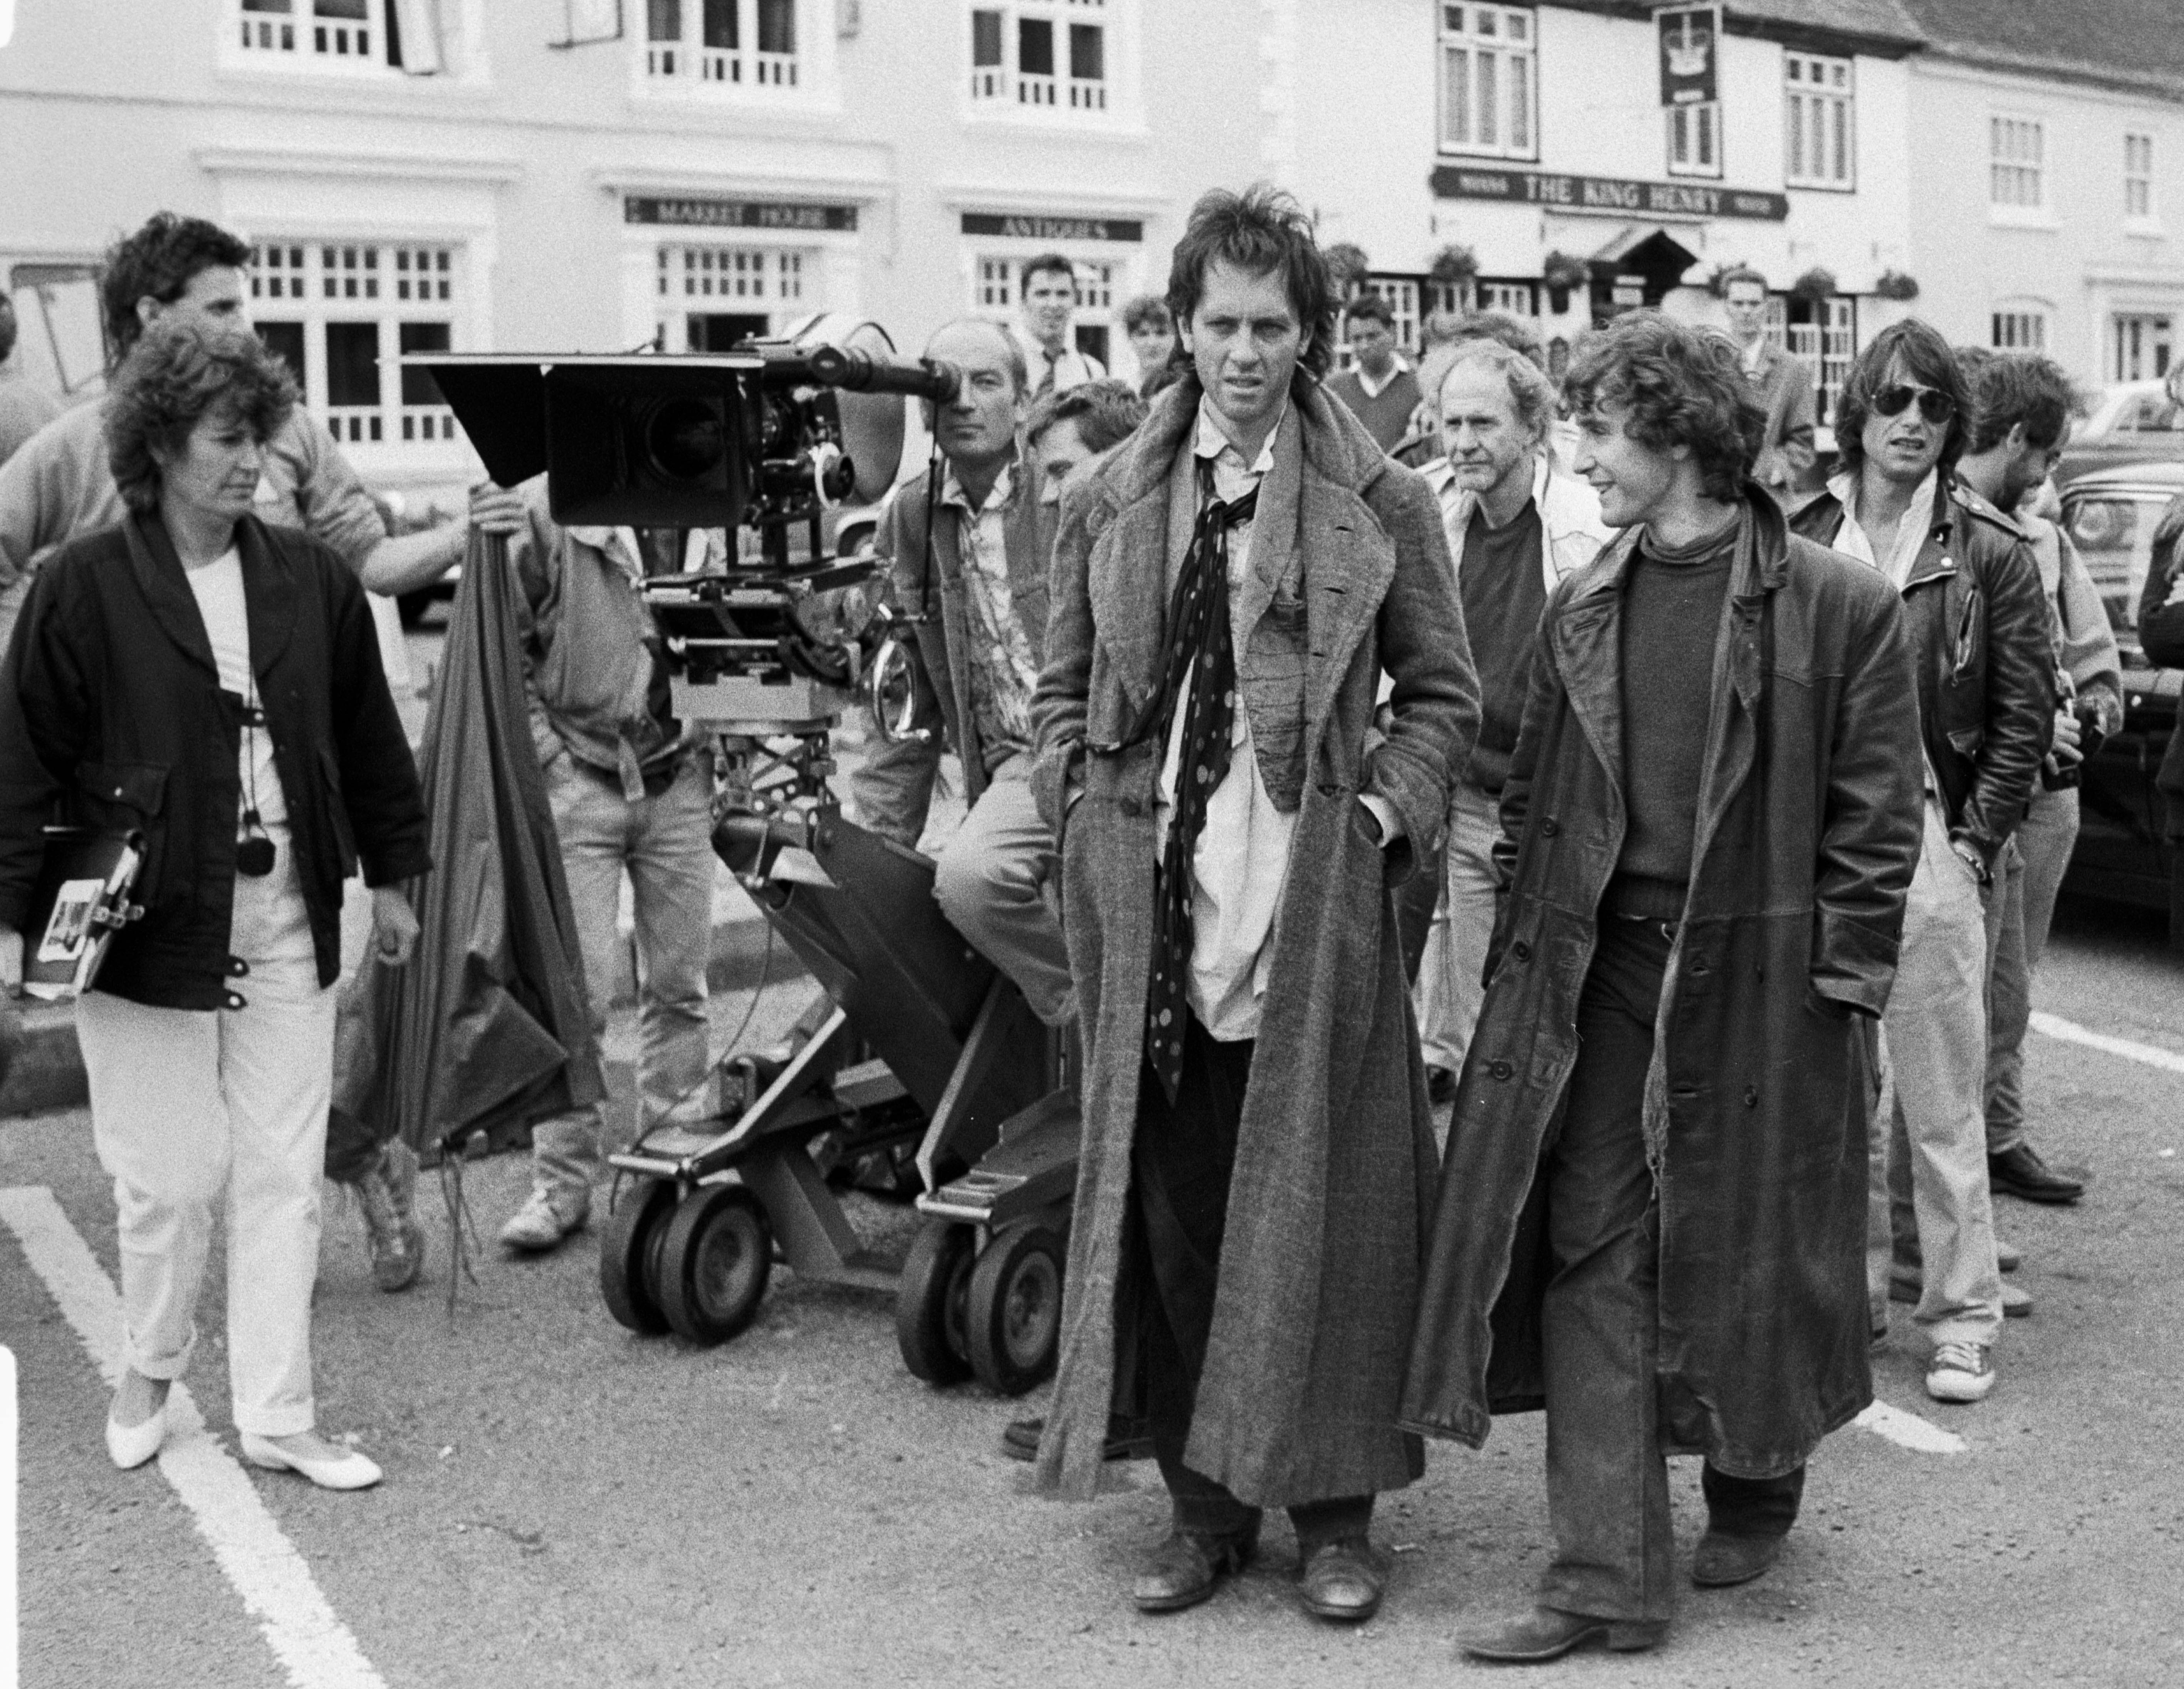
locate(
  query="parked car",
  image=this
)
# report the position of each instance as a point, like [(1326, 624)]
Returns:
[(2123, 851), (2131, 423)]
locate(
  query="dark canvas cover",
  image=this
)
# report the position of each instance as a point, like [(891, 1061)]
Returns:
[(487, 1027)]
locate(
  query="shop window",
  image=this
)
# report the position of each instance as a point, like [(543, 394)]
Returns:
[(2016, 162), (334, 309), (2139, 345), (2019, 328), (1819, 121), (1489, 81), (1695, 139), (728, 44), (2138, 177), (709, 297), (1040, 56)]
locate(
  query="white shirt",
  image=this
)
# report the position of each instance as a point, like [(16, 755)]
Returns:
[(219, 590), (1241, 861), (1852, 540), (1373, 389), (1057, 371), (1750, 356)]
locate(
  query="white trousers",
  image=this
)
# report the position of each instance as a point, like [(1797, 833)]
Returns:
[(1449, 994), (193, 1112)]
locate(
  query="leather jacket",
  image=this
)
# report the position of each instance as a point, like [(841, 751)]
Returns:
[(1981, 636)]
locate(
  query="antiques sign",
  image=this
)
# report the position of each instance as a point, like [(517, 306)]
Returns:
[(1609, 194), (737, 214), (1034, 228)]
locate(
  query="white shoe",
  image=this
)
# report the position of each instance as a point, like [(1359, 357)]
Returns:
[(348, 1470), (131, 1446), (1961, 1372), (538, 1225)]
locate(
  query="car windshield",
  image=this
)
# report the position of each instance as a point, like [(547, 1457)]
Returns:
[(2113, 531)]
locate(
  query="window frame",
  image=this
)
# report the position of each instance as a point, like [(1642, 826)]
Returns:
[(1001, 91), (2159, 328), (1100, 298), (1696, 120), (739, 72), (1799, 95), (2001, 125), (2026, 324), (318, 282), (2138, 173), (1445, 40)]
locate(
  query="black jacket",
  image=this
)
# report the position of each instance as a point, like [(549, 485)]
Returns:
[(112, 716), (1981, 637), (2161, 636)]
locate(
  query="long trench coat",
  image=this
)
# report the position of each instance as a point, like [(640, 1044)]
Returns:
[(1760, 1088), (1334, 1174)]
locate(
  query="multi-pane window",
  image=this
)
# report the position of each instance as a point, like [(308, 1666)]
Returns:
[(1695, 139), (2139, 345), (1403, 299), (730, 43), (2020, 329), (997, 289), (760, 275), (362, 34), (1488, 64), (2014, 149), (1819, 121), (2138, 175), (1040, 55), (337, 310), (1513, 298), (1827, 342)]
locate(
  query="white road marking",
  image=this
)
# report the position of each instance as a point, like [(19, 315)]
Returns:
[(1908, 1430), (314, 1647), (2071, 1033)]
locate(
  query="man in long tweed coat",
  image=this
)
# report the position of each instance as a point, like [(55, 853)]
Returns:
[(1258, 1158)]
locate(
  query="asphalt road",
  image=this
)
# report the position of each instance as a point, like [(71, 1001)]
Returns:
[(566, 1503)]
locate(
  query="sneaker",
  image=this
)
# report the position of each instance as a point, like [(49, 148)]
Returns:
[(538, 1225), (393, 1238), (1961, 1372)]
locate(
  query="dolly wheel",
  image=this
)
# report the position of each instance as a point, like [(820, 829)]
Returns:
[(632, 1236), (1013, 1314), (928, 1305), (714, 1261)]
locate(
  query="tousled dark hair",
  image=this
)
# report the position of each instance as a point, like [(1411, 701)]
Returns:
[(1262, 230), (178, 371), (1677, 386), (1106, 412), (1927, 359), (2009, 388), (1742, 272), (1147, 308), (1371, 308), (158, 262)]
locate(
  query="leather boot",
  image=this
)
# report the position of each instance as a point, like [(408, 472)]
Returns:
[(1189, 1566)]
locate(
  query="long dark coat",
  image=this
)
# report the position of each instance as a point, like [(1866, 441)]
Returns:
[(1334, 1170), (1757, 1099)]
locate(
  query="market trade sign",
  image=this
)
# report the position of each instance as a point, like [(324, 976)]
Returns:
[(1611, 195)]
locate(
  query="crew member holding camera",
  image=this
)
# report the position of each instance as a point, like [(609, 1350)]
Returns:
[(631, 792), (2021, 408), (969, 569)]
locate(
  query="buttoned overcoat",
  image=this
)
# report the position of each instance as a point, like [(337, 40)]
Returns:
[(1335, 1159), (1760, 1088)]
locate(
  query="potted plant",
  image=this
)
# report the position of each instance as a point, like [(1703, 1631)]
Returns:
[(1894, 284), (1453, 264), (1815, 285), (1347, 267), (1564, 276)]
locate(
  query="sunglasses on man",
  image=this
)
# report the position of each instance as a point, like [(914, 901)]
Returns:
[(1935, 406)]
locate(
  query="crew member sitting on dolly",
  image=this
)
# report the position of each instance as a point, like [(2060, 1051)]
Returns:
[(632, 791), (969, 571)]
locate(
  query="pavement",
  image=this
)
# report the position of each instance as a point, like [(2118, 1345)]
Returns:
[(566, 1502)]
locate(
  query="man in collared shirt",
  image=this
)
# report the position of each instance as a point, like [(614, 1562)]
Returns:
[(631, 790), (971, 565), (1052, 364), (1381, 389), (1781, 385), (1228, 587), (1516, 527), (1978, 626)]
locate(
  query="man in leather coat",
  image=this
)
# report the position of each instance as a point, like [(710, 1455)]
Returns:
[(1977, 621)]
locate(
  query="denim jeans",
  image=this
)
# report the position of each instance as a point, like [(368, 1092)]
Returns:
[(664, 843), (2029, 888), (1449, 991), (1929, 1146)]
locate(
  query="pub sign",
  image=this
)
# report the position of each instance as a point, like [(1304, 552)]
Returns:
[(1691, 55)]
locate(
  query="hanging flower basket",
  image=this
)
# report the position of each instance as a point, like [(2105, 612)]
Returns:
[(1894, 284), (1815, 285), (1564, 276), (1346, 266), (1453, 264)]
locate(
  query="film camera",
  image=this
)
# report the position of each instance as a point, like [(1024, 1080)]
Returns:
[(917, 1051)]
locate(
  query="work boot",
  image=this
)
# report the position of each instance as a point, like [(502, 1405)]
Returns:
[(393, 1238)]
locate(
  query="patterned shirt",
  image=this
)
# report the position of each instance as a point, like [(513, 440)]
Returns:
[(1003, 670)]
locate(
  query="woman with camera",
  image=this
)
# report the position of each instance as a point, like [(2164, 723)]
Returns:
[(214, 684)]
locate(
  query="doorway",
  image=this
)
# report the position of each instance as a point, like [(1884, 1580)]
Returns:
[(724, 331)]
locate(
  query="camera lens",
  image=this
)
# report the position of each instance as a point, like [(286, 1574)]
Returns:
[(684, 438)]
